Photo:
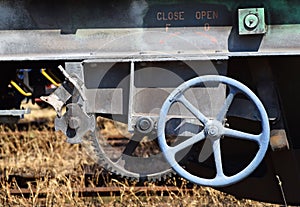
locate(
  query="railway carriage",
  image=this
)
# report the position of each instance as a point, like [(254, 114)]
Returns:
[(208, 87)]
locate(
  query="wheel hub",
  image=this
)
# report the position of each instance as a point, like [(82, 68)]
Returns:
[(214, 129)]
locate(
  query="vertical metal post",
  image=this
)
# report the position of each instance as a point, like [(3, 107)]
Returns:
[(131, 95)]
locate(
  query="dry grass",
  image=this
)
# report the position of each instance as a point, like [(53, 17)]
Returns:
[(59, 167)]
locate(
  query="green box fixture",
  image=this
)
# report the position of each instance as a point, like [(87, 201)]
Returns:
[(252, 21)]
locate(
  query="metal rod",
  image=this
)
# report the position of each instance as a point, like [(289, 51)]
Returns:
[(281, 189)]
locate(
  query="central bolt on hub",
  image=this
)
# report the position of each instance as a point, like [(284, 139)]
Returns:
[(74, 122), (213, 131)]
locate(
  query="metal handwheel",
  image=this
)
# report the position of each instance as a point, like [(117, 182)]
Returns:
[(213, 129)]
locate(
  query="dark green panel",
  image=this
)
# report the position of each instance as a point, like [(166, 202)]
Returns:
[(70, 15)]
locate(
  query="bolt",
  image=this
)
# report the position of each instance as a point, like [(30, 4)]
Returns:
[(251, 21), (144, 124), (213, 131), (74, 122)]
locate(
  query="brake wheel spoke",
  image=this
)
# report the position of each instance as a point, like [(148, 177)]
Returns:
[(218, 158), (241, 135), (193, 109), (187, 143), (228, 102)]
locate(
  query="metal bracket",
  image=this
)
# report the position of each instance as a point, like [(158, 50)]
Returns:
[(252, 21), (19, 113), (75, 123), (13, 116)]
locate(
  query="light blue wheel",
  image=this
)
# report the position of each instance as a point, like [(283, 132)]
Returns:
[(214, 129)]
